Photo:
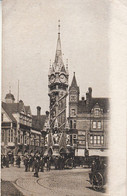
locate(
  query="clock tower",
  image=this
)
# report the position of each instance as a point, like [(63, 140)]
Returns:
[(58, 89)]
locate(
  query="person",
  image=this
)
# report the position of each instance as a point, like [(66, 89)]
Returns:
[(18, 161), (94, 166), (42, 164), (36, 167), (48, 163), (33, 164), (7, 161), (31, 158), (1, 161), (56, 162), (4, 161), (12, 160), (26, 163)]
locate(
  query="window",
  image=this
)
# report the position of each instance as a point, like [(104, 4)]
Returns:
[(21, 139), (99, 125), (74, 124), (95, 139), (98, 139), (81, 142), (25, 139), (91, 139), (18, 136), (102, 139), (96, 112), (2, 117), (94, 125), (11, 136), (74, 136), (3, 131), (71, 124)]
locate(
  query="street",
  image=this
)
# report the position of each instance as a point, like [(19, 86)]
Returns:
[(69, 182)]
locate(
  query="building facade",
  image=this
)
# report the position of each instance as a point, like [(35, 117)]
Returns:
[(18, 127), (89, 122)]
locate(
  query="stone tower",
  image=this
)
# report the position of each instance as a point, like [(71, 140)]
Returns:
[(58, 91), (73, 97), (58, 88)]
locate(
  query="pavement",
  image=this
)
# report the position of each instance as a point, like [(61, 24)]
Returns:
[(69, 182)]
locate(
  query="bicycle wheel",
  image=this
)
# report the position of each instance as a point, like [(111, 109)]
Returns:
[(97, 181)]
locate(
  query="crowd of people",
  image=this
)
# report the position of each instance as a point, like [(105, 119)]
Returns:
[(34, 162)]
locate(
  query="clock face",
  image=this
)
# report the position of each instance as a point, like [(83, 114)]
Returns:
[(73, 98), (52, 79), (62, 78)]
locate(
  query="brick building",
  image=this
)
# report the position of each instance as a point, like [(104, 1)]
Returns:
[(89, 122)]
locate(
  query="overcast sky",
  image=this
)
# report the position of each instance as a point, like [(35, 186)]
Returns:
[(29, 42)]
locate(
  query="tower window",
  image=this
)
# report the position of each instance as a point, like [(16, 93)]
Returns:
[(73, 113)]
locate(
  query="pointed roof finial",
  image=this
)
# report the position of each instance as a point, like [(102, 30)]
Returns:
[(58, 28), (10, 89), (74, 82), (66, 62), (50, 63)]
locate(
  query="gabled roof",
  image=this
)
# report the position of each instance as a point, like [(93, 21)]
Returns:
[(103, 103), (11, 108), (8, 111), (74, 83), (38, 122)]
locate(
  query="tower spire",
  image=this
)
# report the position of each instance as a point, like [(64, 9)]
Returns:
[(58, 29), (58, 56)]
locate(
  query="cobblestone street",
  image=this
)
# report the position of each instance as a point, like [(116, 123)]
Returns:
[(54, 183)]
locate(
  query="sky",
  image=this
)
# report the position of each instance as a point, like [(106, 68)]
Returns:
[(30, 30)]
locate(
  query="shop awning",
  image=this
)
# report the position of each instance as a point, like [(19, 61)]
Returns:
[(98, 152)]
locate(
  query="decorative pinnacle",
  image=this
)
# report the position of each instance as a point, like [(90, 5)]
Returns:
[(59, 27), (50, 63), (66, 63), (10, 89)]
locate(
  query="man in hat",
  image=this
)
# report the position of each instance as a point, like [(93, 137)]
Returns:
[(37, 165)]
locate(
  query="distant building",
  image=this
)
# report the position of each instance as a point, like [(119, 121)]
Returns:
[(89, 122), (21, 132), (37, 131)]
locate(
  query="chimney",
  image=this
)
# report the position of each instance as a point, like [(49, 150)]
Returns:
[(47, 114), (38, 110), (90, 92)]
